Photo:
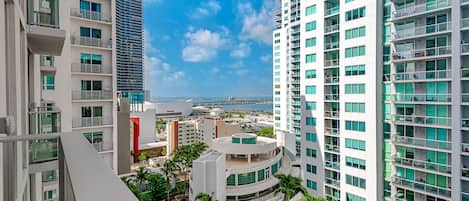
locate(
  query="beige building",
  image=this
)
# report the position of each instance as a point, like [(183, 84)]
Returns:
[(202, 129)]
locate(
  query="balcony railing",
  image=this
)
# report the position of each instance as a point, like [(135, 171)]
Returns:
[(294, 38), (436, 144), (331, 28), (465, 172), (422, 75), (422, 30), (83, 173), (44, 19), (332, 11), (91, 15), (295, 60), (465, 48), (414, 9), (331, 131), (89, 41), (331, 79), (91, 95), (295, 67), (465, 23), (90, 68), (443, 168), (425, 120), (331, 45), (331, 97), (465, 148), (421, 53), (442, 98), (422, 186), (331, 63), (295, 45), (332, 147), (91, 121), (333, 182), (332, 164), (333, 114), (294, 52)]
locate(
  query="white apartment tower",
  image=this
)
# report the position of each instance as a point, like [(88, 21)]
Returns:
[(58, 75), (374, 93)]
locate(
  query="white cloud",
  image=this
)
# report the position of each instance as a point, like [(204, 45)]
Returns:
[(241, 71), (266, 58), (241, 51), (205, 9), (147, 42), (156, 69), (202, 45), (257, 25), (215, 70)]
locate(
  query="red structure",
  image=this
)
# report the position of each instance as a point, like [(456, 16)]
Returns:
[(136, 125)]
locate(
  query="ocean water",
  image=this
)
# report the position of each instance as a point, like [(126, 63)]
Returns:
[(248, 107), (245, 108)]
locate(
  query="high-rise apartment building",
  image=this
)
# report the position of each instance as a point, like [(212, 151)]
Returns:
[(374, 93), (129, 60), (58, 76)]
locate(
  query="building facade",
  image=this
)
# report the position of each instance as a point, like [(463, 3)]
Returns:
[(58, 76), (374, 93), (129, 49)]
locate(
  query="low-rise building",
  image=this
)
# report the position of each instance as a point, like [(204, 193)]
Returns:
[(250, 163), (201, 129)]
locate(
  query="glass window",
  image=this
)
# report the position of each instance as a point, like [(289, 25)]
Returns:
[(355, 14), (355, 51), (310, 10), (354, 88), (85, 32), (310, 74), (355, 70), (355, 32), (310, 89), (355, 144), (311, 42), (48, 82), (310, 26)]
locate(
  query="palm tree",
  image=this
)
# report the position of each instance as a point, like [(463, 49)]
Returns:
[(205, 197), (141, 177), (169, 170), (289, 186), (185, 155)]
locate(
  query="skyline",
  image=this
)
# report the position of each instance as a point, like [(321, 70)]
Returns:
[(214, 48)]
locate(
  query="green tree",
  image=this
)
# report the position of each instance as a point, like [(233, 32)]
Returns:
[(205, 197), (266, 132), (289, 186), (156, 188), (185, 155), (142, 156), (129, 182), (140, 178), (169, 170)]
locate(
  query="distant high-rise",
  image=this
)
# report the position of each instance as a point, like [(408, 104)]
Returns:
[(129, 57)]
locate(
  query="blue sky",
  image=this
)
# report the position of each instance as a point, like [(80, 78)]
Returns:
[(208, 48)]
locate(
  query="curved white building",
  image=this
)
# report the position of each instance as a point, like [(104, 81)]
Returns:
[(250, 163)]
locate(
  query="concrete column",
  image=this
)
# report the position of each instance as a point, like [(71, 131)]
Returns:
[(249, 158), (456, 100)]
